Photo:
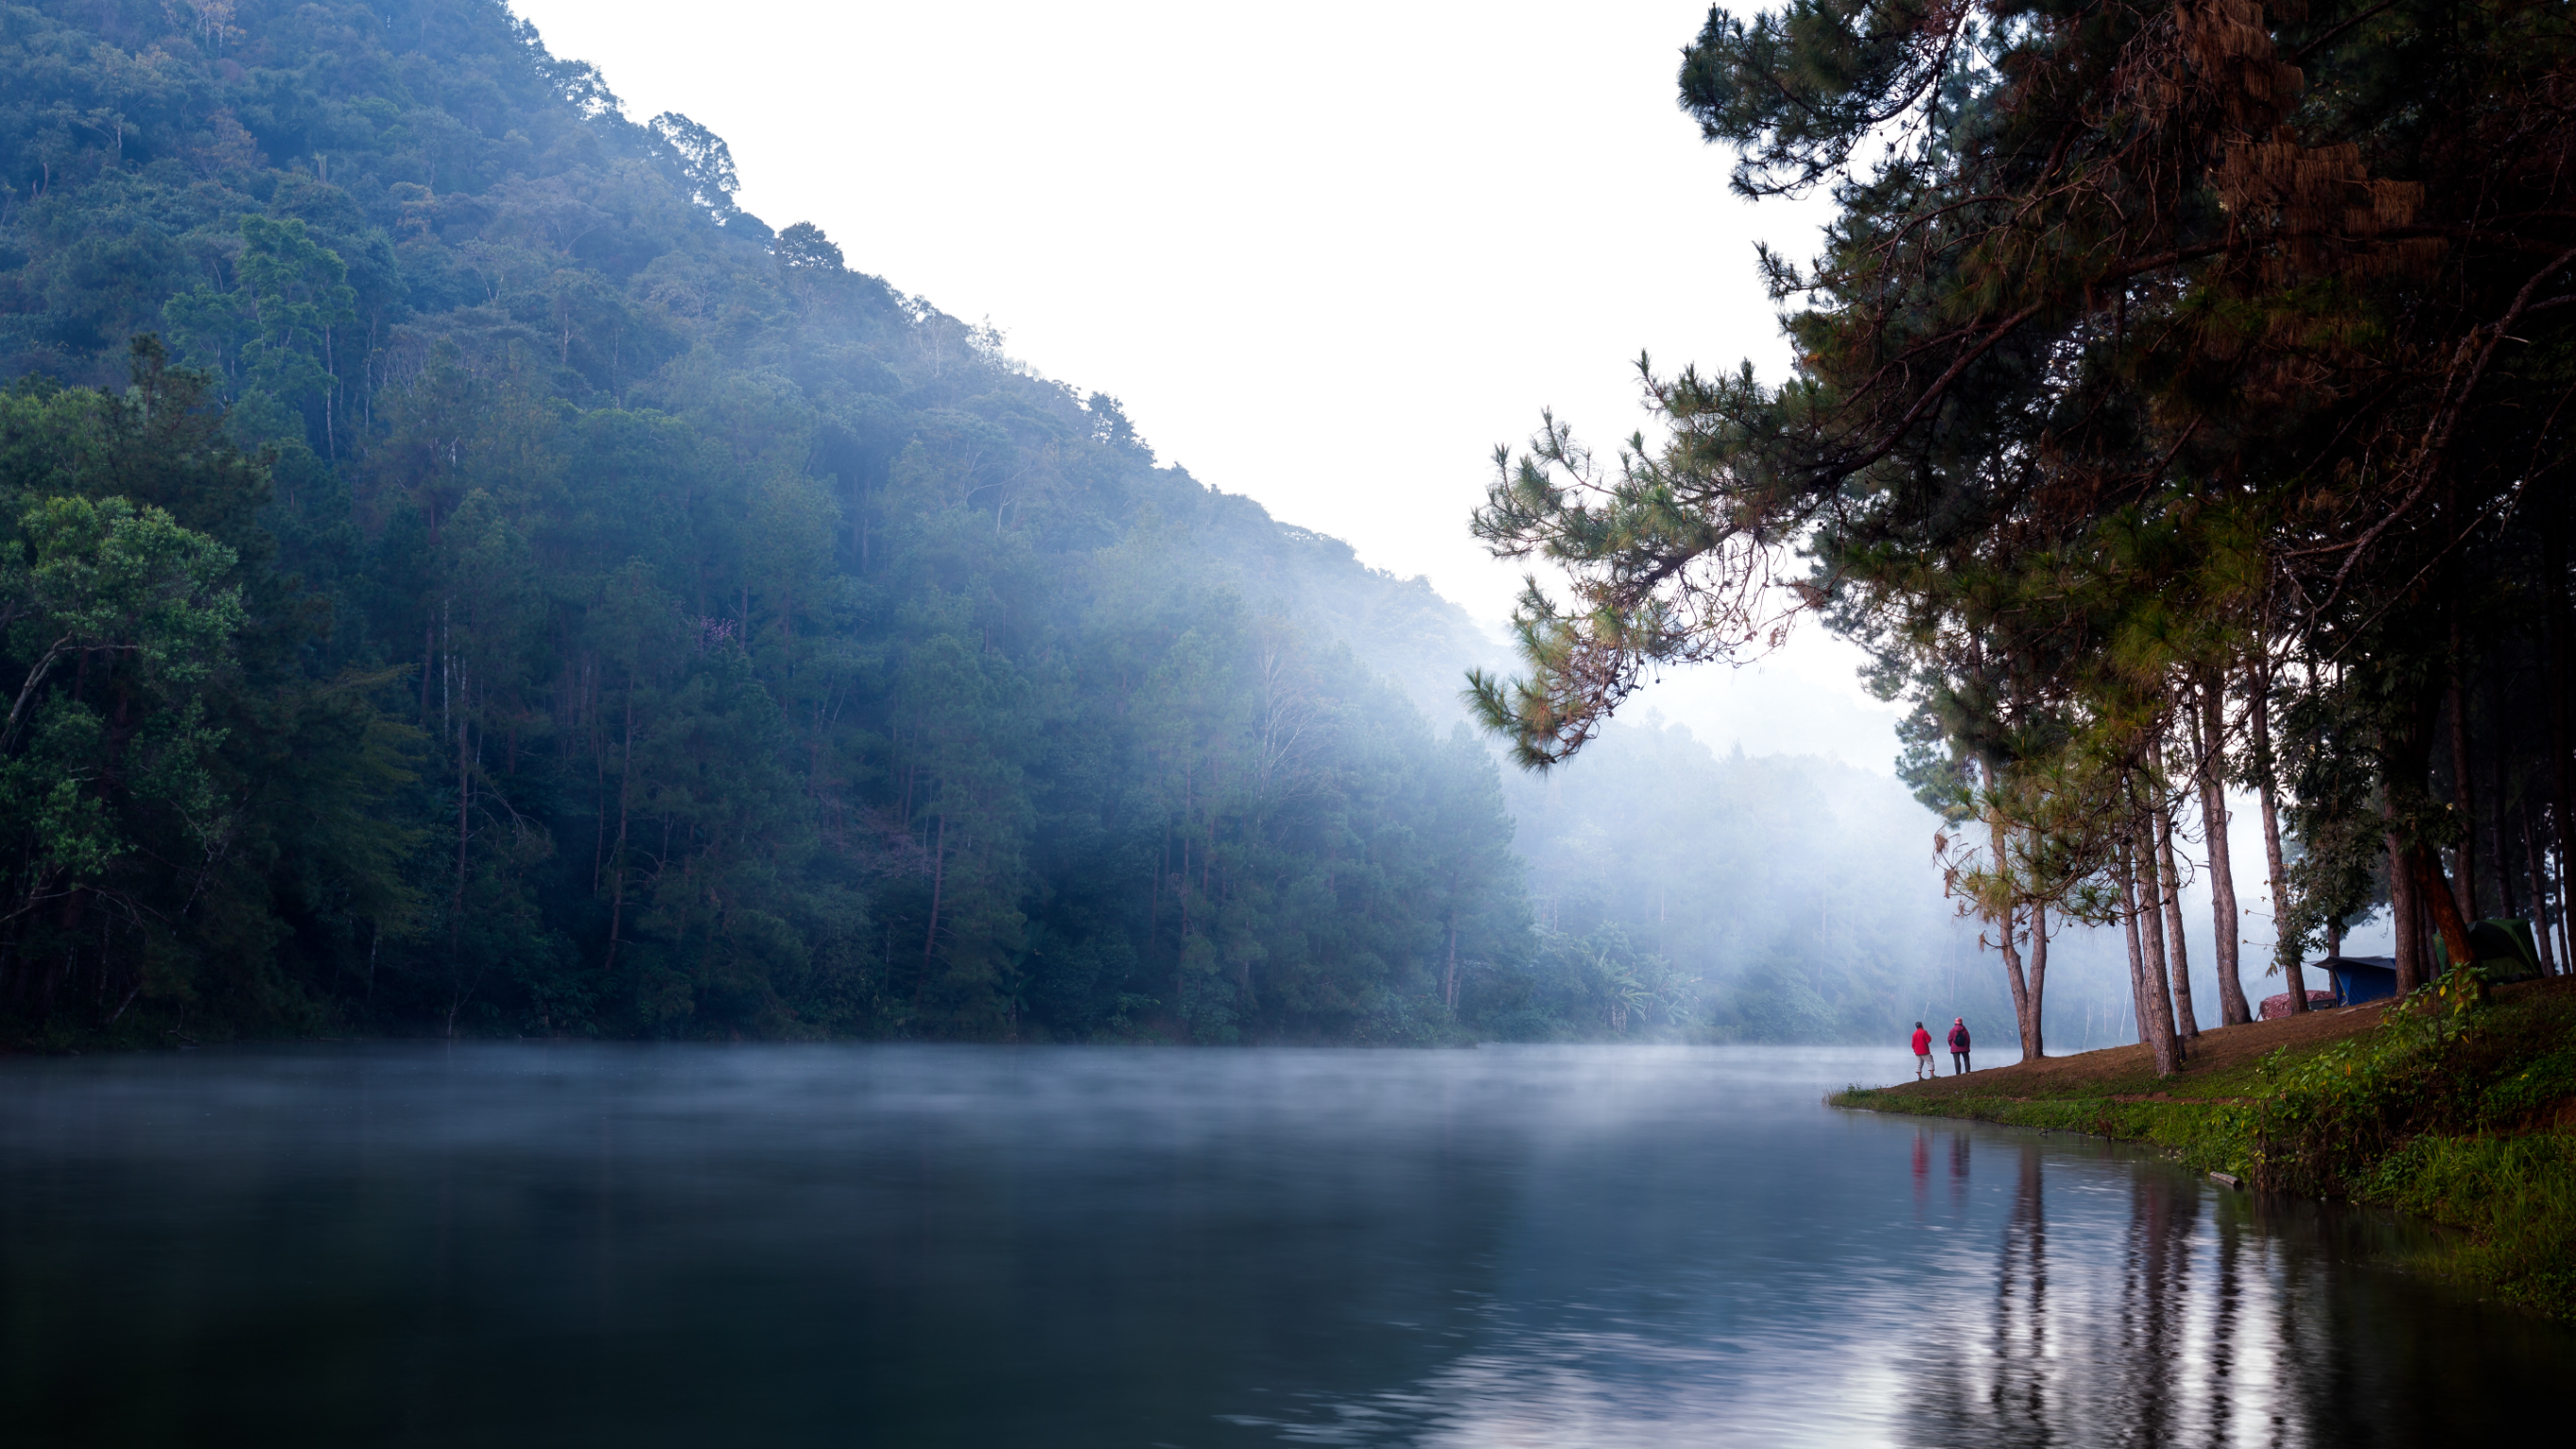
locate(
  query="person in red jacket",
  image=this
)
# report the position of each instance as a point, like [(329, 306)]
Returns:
[(1923, 1054), (1958, 1045)]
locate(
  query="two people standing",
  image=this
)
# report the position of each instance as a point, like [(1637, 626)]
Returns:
[(1958, 1050)]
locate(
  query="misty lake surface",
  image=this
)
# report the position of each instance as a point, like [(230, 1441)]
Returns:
[(874, 1245)]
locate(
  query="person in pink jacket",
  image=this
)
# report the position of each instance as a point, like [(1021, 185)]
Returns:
[(1923, 1054), (1958, 1045)]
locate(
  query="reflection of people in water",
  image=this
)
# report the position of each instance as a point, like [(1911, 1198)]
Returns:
[(1923, 1054), (1958, 1045)]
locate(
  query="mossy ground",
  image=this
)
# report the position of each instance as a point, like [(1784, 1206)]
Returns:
[(2452, 1109)]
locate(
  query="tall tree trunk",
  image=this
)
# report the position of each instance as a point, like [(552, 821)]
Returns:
[(617, 856), (2259, 717), (2438, 904), (2224, 915), (2553, 645), (2464, 779), (2034, 1045), (2501, 754), (938, 879), (2128, 878), (2146, 966), (1449, 977), (2001, 840), (2013, 978), (2405, 917), (464, 803), (2169, 890), (2539, 895)]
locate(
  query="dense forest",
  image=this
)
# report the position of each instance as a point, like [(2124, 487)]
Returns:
[(464, 574), (2180, 418)]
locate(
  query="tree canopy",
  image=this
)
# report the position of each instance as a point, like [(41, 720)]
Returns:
[(2177, 403)]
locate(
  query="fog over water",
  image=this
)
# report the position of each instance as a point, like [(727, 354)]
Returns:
[(902, 1245)]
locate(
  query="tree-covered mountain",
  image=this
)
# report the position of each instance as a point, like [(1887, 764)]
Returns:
[(508, 588)]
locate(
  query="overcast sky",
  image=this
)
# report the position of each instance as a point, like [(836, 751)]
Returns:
[(1327, 255)]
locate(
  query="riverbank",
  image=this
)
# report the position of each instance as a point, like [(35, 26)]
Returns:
[(2457, 1111)]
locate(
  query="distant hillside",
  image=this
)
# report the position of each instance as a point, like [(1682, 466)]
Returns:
[(605, 612), (1402, 629)]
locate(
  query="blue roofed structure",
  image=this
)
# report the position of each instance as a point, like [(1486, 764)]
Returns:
[(2361, 978)]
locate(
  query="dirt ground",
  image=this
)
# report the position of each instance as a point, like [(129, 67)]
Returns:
[(2219, 1052)]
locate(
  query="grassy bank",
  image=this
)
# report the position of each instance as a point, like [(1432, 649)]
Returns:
[(2457, 1110)]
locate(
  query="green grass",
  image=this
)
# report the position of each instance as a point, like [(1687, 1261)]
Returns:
[(2457, 1110)]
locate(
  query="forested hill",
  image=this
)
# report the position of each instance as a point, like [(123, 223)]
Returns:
[(462, 573)]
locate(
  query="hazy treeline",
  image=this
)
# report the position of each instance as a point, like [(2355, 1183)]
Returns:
[(520, 592), (1768, 898)]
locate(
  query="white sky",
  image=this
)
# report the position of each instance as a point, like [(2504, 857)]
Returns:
[(1328, 256)]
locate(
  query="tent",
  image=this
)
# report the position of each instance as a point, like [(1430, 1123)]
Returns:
[(2361, 978), (2505, 950)]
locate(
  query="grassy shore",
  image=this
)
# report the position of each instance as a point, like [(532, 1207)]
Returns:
[(2459, 1108)]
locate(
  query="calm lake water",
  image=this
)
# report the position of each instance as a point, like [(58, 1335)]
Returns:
[(505, 1245)]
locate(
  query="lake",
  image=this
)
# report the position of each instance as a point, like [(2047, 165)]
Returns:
[(895, 1245)]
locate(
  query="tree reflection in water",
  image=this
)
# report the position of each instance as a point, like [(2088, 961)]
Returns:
[(2230, 1321)]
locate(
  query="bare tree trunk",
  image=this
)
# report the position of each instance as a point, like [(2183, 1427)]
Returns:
[(2034, 1046), (2013, 976), (2128, 878), (2539, 894), (930, 938), (2186, 1019), (2464, 779), (2508, 900), (2151, 913), (2501, 754), (2211, 730), (2001, 840), (2146, 968), (2259, 716), (464, 803), (617, 857), (2439, 907), (1449, 977), (2553, 610), (2405, 917)]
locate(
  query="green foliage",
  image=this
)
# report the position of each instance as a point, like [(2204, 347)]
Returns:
[(2328, 1119), (272, 334), (2454, 1110), (2517, 1195), (554, 604)]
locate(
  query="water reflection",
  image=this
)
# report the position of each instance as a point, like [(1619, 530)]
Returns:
[(2230, 1321), (1540, 1247)]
